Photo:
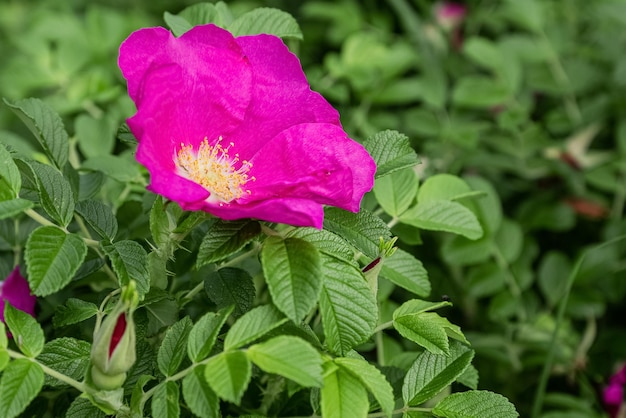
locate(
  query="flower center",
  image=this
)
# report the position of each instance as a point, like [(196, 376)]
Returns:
[(212, 168)]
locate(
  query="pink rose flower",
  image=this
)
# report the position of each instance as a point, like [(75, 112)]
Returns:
[(449, 14), (613, 394), (230, 126), (15, 290)]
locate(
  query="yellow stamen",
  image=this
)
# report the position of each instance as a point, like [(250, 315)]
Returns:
[(212, 168)]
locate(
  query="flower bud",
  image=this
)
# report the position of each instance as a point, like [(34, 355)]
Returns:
[(372, 270)]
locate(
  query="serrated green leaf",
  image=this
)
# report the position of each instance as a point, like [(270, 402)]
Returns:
[(47, 127), (363, 230), (67, 356), (9, 172), (172, 350), (99, 216), (203, 13), (292, 269), (372, 379), (431, 373), (13, 207), (20, 383), (177, 24), (136, 398), (290, 357), (343, 395), (225, 238), (417, 306), (204, 333), (424, 330), (26, 331), (52, 258), (231, 286), (253, 325), (469, 377), (347, 304), (165, 401), (55, 193), (325, 241), (406, 271), (83, 408), (397, 191), (116, 167), (475, 404), (229, 374), (73, 312), (442, 187), (199, 396), (444, 215), (129, 261), (161, 222), (391, 151), (266, 20)]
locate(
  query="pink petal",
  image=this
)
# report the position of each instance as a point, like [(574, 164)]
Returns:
[(16, 291)]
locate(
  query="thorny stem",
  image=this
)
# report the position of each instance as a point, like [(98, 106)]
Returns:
[(43, 221)]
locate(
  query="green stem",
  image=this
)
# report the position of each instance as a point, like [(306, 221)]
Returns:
[(40, 219), (51, 372), (384, 326)]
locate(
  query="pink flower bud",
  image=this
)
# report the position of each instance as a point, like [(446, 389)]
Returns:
[(450, 15)]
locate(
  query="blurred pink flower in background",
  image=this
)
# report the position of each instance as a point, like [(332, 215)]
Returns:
[(15, 290), (230, 126), (613, 395), (450, 17)]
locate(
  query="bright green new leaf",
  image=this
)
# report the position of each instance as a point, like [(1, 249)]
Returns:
[(325, 241), (165, 401), (203, 13), (253, 325), (199, 396), (20, 383), (348, 306), (67, 356), (392, 151), (292, 269), (204, 333), (13, 207), (9, 174), (73, 312), (130, 262), (372, 379), (475, 404), (397, 191), (444, 215), (431, 373), (290, 357), (266, 20), (47, 127), (343, 395), (26, 331), (363, 230), (425, 330), (172, 350), (406, 271), (417, 306), (230, 286), (55, 193), (52, 258), (225, 238), (228, 374), (99, 216)]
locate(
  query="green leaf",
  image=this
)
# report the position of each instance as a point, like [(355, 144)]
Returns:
[(47, 127), (417, 306), (424, 330), (20, 383), (83, 408), (325, 241), (475, 404), (52, 258), (55, 193), (444, 215), (177, 24), (9, 174), (73, 312), (13, 207), (266, 20), (431, 373), (406, 271), (165, 401), (96, 136), (397, 191), (391, 151), (343, 395), (225, 238), (119, 168), (292, 269), (204, 333), (469, 377), (228, 374), (199, 396), (203, 13), (290, 357), (136, 398), (26, 331), (129, 261), (477, 91), (67, 356), (371, 378), (172, 350), (253, 325), (483, 52), (443, 187), (363, 230), (347, 304), (99, 216), (231, 286)]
